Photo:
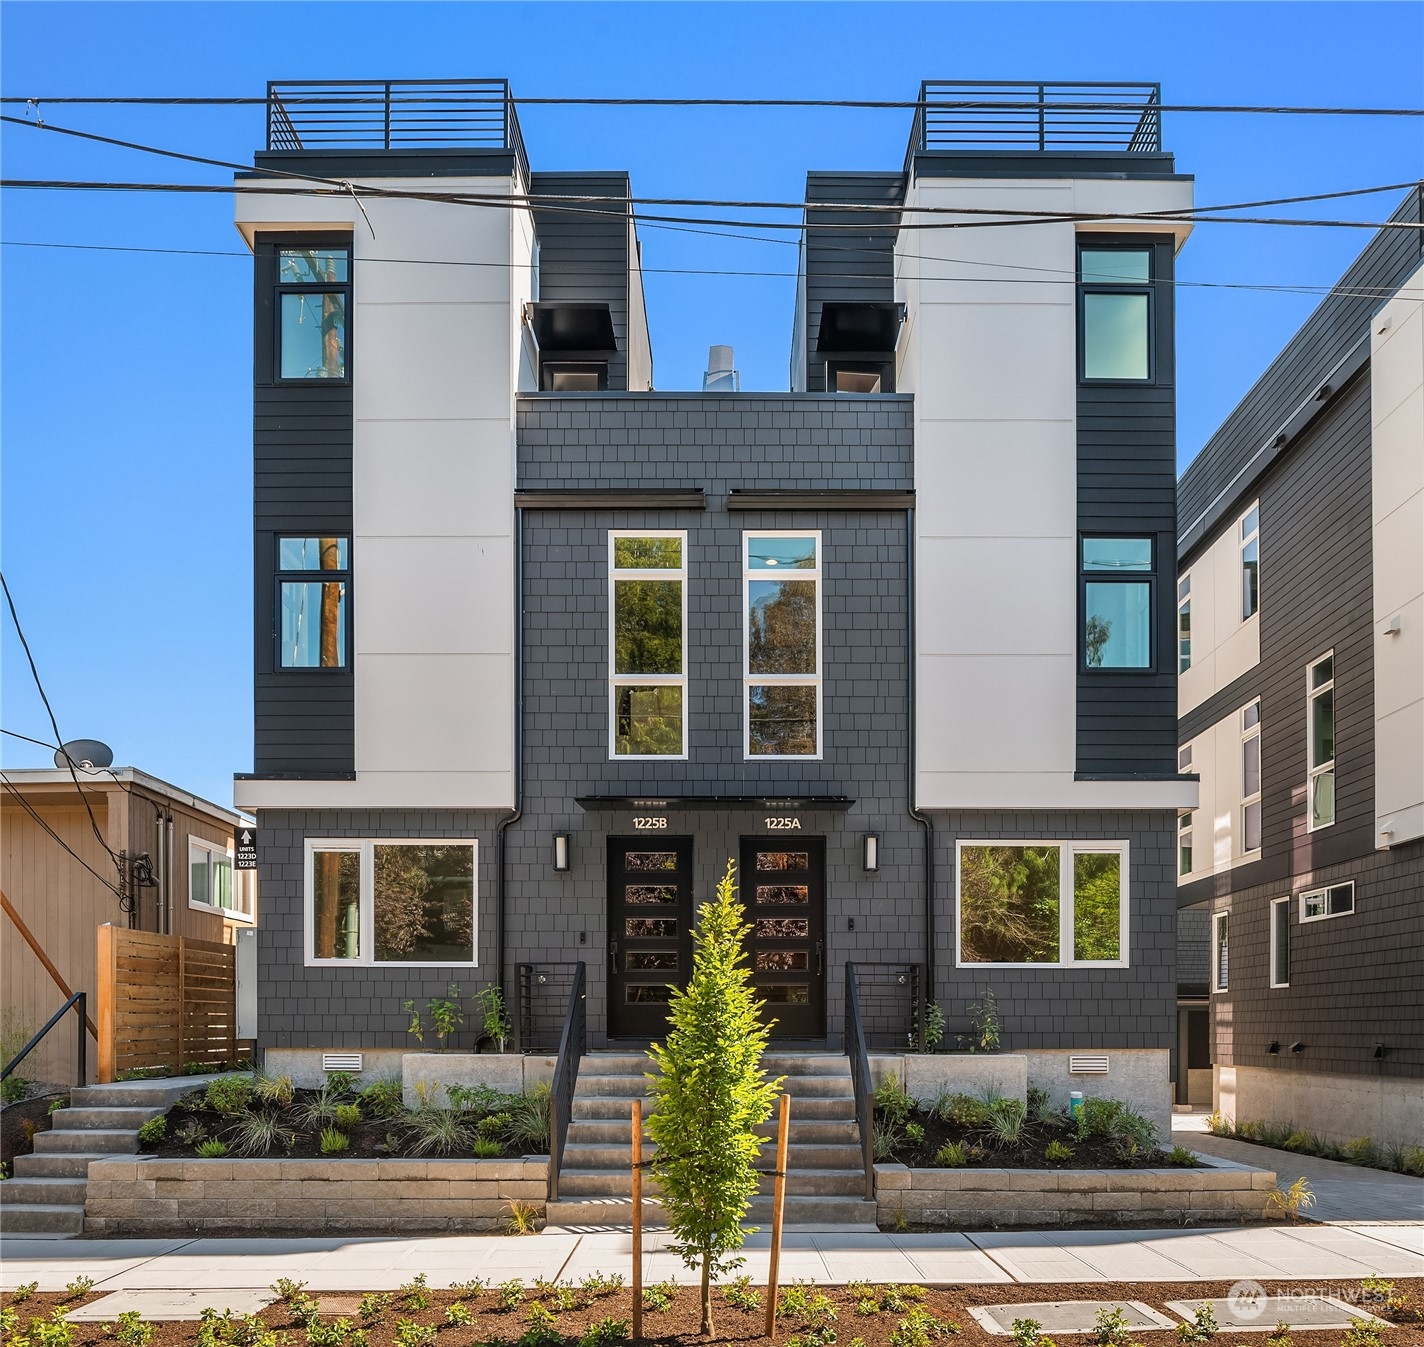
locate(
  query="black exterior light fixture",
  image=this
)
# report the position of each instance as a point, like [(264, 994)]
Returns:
[(1273, 1048), (1380, 1051), (1297, 1048), (561, 852), (871, 846)]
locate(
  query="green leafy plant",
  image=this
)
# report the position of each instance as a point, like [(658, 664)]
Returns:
[(951, 1155), (153, 1132), (338, 1333), (374, 1304), (539, 1316), (1056, 1152), (471, 1289), (415, 1028), (51, 1332), (740, 1295), (347, 1116), (437, 1131), (285, 1289), (1361, 1151), (1219, 1125), (79, 1287), (987, 1032), (212, 1149), (1291, 1201), (259, 1133), (884, 1141), (914, 1133), (415, 1294), (483, 1148), (509, 1295), (963, 1110), (1110, 1328), (522, 1218), (1201, 1327), (1028, 1333), (25, 1289), (919, 1328), (131, 1329), (656, 1299), (934, 1026), (305, 1309), (604, 1333), (384, 1098), (598, 1284), (191, 1133), (1041, 1110), (228, 1095), (341, 1084), (1411, 1160), (459, 1314), (408, 1333), (13, 1089), (530, 1119), (235, 1330), (1005, 1122), (892, 1101), (1280, 1335), (277, 1090), (567, 1298), (495, 1018), (493, 1126), (318, 1109), (56, 1104), (1380, 1292), (711, 1095), (446, 1014), (1361, 1333), (477, 1098), (1180, 1155), (333, 1142)]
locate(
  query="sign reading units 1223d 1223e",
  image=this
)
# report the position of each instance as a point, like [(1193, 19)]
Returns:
[(245, 849)]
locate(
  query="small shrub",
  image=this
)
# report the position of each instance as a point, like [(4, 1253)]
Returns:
[(55, 1105), (884, 1141), (963, 1110), (338, 1333), (436, 1130), (509, 1295), (51, 1332), (914, 1133), (1180, 1155), (599, 1284), (529, 1120), (1110, 1328), (23, 1291), (384, 1098), (79, 1287), (1056, 1153), (347, 1116), (276, 1090), (1280, 1335), (154, 1131), (212, 1149), (539, 1316), (228, 1095), (1361, 1151), (258, 1133), (892, 1101), (1380, 1291), (13, 1089), (919, 1328), (132, 1330), (284, 1288), (1411, 1161), (415, 1294), (471, 1289), (605, 1332), (493, 1125), (476, 1098), (1040, 1110), (740, 1294), (1362, 1333), (484, 1148), (951, 1155), (1027, 1333), (1290, 1202), (191, 1132), (523, 1218), (1202, 1326), (341, 1083), (1006, 1123), (567, 1298), (459, 1314), (656, 1299), (374, 1304), (408, 1333), (333, 1142), (305, 1309), (1299, 1140)]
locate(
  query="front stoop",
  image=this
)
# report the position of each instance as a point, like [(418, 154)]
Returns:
[(825, 1184)]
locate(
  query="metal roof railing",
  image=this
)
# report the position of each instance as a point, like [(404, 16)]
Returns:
[(1017, 117), (394, 115)]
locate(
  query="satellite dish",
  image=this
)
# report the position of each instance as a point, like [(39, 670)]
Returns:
[(84, 753)]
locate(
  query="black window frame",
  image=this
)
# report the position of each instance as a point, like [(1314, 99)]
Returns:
[(1127, 243), (281, 577), (1148, 577), (281, 243)]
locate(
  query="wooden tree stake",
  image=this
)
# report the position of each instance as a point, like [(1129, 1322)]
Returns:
[(637, 1220), (778, 1202)]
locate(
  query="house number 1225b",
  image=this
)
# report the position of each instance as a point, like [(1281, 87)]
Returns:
[(781, 824), (649, 824)]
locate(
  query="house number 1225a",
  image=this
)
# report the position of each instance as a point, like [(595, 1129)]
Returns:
[(781, 824)]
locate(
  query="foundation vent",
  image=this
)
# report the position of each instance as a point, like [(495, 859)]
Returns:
[(1088, 1065), (351, 1061)]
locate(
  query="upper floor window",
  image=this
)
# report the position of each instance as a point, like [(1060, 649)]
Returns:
[(647, 666), (1220, 961), (781, 580), (313, 312), (1184, 842), (1250, 538), (1320, 740), (1280, 942), (1251, 778), (313, 575), (1115, 299), (1117, 603), (1335, 901), (1184, 624)]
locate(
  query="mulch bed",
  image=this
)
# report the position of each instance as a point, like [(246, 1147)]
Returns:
[(678, 1324)]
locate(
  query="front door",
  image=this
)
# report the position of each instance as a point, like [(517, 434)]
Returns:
[(649, 931), (783, 887)]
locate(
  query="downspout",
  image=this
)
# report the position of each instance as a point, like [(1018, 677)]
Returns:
[(501, 883), (923, 820)]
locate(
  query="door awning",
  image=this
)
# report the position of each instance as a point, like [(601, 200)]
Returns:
[(573, 327), (859, 326)]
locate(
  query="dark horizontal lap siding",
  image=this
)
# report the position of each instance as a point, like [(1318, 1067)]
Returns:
[(1342, 318), (857, 267), (583, 258), (304, 721), (1127, 473)]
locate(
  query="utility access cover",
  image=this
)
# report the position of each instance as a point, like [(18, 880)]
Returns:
[(1067, 1316), (167, 1305), (1246, 1313)]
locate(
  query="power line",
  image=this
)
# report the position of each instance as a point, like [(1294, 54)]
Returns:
[(13, 735), (30, 810)]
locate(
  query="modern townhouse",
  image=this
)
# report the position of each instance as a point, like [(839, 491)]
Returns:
[(1300, 601), (540, 648)]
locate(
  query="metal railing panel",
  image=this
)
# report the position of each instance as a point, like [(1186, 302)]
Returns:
[(860, 1079)]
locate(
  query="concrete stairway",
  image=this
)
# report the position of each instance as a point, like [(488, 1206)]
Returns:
[(825, 1184), (46, 1194)]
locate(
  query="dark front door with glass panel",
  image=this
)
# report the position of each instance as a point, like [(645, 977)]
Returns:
[(783, 887), (649, 931)]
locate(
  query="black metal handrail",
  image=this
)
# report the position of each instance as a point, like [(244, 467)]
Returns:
[(81, 1047), (573, 1042), (1019, 116), (860, 1079)]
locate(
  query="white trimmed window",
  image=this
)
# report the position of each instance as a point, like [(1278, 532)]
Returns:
[(1320, 741), (391, 902), (1251, 778), (647, 645), (1047, 904), (211, 886), (1184, 624), (781, 660), (1336, 900), (1250, 537), (1220, 923), (1280, 942), (1184, 842)]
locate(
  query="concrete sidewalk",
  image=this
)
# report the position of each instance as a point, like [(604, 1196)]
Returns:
[(1307, 1252)]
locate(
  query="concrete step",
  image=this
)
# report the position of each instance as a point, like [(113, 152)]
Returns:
[(604, 1108), (29, 1191), (92, 1139), (161, 1092), (619, 1132), (59, 1165), (103, 1119), (619, 1183), (610, 1085), (849, 1214), (43, 1220), (796, 1067), (580, 1155), (616, 1063)]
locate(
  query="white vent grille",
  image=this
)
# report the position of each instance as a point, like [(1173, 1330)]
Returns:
[(351, 1061), (1088, 1066)]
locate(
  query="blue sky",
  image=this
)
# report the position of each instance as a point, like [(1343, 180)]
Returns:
[(125, 377)]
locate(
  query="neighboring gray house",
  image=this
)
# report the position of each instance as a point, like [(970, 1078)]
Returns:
[(539, 649), (1301, 612)]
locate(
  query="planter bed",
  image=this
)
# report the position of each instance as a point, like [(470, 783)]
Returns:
[(979, 1198), (156, 1195)]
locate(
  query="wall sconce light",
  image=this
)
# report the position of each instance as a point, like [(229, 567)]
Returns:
[(561, 852), (1274, 1047), (1380, 1051), (1297, 1047), (872, 851)]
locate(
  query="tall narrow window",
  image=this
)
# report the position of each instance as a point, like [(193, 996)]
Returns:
[(1115, 295), (647, 665), (1117, 603), (312, 579), (782, 672), (313, 307), (1251, 778), (1184, 624), (1219, 951), (1184, 842), (1320, 699), (1280, 942), (1251, 562)]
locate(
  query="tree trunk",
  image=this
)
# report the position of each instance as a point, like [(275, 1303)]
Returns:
[(706, 1329), (330, 649)]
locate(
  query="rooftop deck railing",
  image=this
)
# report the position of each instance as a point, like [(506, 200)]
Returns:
[(394, 115), (1023, 117)]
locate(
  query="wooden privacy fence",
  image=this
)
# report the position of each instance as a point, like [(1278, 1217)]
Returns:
[(164, 1001)]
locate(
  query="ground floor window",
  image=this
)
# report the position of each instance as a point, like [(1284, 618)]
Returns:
[(1219, 951), (1045, 903), (391, 902), (1280, 942), (212, 885)]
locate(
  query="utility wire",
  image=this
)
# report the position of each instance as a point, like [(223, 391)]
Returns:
[(30, 810), (13, 735)]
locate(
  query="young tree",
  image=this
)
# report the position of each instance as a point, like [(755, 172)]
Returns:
[(711, 1093)]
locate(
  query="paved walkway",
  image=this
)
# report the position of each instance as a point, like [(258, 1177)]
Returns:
[(1342, 1192), (1307, 1252)]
